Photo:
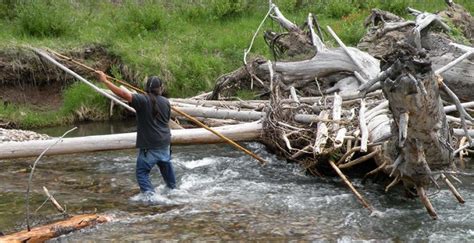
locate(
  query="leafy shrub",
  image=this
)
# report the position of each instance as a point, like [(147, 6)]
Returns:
[(193, 74), (7, 9), (352, 33), (338, 9), (140, 18), (79, 95), (215, 9), (395, 6), (223, 9), (45, 18)]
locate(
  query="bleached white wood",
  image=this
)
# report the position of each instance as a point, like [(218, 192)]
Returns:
[(241, 132)]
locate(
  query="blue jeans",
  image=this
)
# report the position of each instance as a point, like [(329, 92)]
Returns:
[(146, 159)]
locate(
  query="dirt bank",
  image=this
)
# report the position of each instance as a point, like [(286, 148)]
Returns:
[(27, 80)]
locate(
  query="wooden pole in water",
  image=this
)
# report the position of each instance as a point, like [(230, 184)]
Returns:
[(262, 161), (359, 197)]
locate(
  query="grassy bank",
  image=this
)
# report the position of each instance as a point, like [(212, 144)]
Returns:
[(189, 43)]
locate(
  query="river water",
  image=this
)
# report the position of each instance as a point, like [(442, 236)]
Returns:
[(222, 195)]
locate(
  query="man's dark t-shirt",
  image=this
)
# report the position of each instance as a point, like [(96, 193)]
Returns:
[(152, 132)]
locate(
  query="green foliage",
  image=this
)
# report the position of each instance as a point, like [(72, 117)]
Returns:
[(7, 9), (80, 103), (338, 9), (457, 34), (81, 95), (213, 10), (192, 74), (223, 9), (246, 94), (395, 6), (26, 117), (351, 31), (45, 18), (140, 18)]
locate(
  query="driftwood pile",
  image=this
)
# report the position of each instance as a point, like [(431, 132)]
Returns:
[(341, 107), (396, 101)]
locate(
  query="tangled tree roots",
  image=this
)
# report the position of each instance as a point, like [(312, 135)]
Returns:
[(405, 131)]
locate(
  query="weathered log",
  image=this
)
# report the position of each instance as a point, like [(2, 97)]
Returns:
[(243, 115), (421, 126), (315, 39), (46, 232), (329, 66), (382, 38), (241, 132), (222, 113)]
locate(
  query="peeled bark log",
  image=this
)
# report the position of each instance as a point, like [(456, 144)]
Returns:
[(328, 67), (46, 232), (242, 132)]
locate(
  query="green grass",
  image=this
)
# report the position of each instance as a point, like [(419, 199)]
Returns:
[(28, 117), (80, 103), (188, 43)]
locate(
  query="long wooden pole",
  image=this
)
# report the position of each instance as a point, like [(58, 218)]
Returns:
[(67, 70), (359, 197), (262, 161)]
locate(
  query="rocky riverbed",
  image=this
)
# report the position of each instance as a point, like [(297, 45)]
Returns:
[(15, 135)]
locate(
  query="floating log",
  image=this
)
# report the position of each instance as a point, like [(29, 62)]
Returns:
[(241, 132), (46, 232)]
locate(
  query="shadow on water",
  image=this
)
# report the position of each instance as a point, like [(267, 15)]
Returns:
[(224, 195)]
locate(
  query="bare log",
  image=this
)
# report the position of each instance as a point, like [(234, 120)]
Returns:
[(451, 108), (46, 232), (315, 39), (340, 135), (222, 113), (241, 132), (381, 39), (363, 127), (321, 134), (423, 20), (327, 66), (351, 55), (283, 21)]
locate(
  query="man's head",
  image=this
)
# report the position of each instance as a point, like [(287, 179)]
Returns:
[(154, 85)]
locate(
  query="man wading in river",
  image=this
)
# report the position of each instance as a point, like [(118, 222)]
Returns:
[(153, 133)]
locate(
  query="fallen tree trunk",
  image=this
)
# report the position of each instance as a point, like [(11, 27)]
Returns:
[(240, 115), (328, 67), (46, 232), (386, 30), (241, 132)]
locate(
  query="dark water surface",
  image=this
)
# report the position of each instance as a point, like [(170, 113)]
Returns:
[(223, 195)]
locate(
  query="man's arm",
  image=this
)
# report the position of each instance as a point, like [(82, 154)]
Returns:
[(124, 94)]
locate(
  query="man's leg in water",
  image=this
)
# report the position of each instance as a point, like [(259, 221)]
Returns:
[(163, 156), (145, 163)]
